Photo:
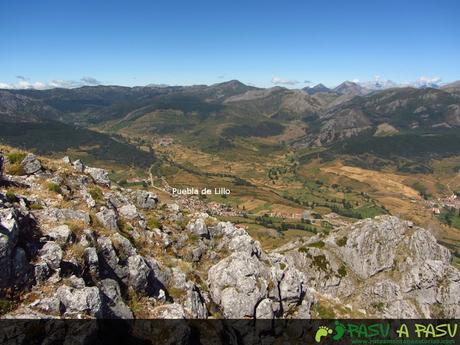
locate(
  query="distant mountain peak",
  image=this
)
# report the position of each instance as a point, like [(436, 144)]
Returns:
[(316, 89), (350, 87), (234, 83)]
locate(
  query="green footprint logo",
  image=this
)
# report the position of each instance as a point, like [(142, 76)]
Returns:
[(322, 332), (339, 331)]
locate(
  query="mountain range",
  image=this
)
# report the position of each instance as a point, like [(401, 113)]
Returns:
[(212, 117)]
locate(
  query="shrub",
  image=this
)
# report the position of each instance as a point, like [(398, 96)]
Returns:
[(176, 293), (76, 250), (16, 157), (135, 303), (76, 227), (5, 306), (341, 242), (319, 244), (321, 262), (96, 193), (153, 223), (36, 206), (54, 187), (124, 227), (342, 271), (323, 312), (10, 196), (15, 169)]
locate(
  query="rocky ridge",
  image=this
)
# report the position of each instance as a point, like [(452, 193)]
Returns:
[(74, 245)]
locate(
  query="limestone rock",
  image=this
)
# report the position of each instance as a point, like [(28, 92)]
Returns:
[(31, 164), (194, 304), (61, 234), (80, 300), (113, 304), (41, 272), (128, 212), (108, 218), (9, 234), (198, 226), (61, 215), (78, 166), (89, 200), (49, 305), (99, 176), (138, 273), (52, 254), (238, 283), (145, 200), (110, 264)]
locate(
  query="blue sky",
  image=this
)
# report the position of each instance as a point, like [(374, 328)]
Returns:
[(258, 42)]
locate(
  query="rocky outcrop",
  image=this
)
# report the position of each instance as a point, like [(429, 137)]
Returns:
[(9, 234), (99, 176), (80, 299), (113, 306), (245, 287), (385, 266), (108, 218), (15, 270), (198, 226), (52, 254), (135, 257), (145, 200)]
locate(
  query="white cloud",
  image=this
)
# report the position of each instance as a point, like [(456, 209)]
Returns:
[(427, 81), (26, 83), (283, 81), (380, 83), (90, 81)]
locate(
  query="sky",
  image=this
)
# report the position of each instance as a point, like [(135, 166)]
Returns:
[(264, 43)]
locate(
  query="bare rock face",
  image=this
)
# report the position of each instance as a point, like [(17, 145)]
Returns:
[(138, 273), (235, 239), (61, 234), (386, 266), (129, 212), (80, 300), (245, 287), (195, 305), (62, 215), (99, 176), (169, 311), (9, 234), (238, 283), (145, 200), (108, 218), (198, 226), (110, 263), (113, 305), (370, 245), (78, 166), (31, 164), (51, 253)]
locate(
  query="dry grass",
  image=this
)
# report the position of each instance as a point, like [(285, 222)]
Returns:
[(384, 182)]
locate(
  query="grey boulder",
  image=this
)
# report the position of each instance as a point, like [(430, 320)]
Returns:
[(31, 164)]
